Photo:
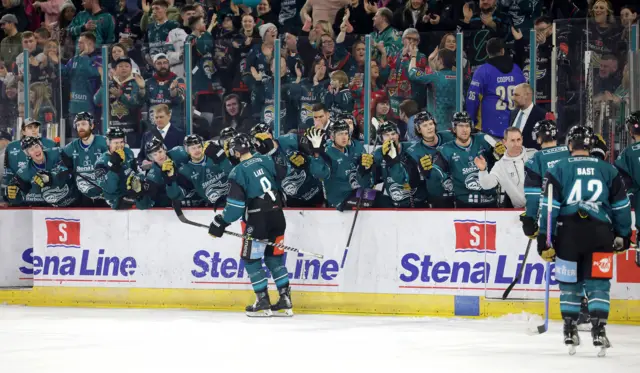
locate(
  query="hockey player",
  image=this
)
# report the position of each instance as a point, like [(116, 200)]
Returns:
[(435, 193), (627, 163), (590, 221), (392, 166), (455, 160), (150, 190), (255, 194), (299, 186), (206, 172), (114, 168), (43, 181), (14, 157), (545, 133), (342, 167), (80, 157)]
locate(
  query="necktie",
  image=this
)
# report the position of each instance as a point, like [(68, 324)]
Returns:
[(518, 119)]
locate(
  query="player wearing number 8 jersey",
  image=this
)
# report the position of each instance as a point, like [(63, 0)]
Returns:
[(490, 95), (255, 197)]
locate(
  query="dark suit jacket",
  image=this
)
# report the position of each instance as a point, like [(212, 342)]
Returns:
[(173, 138), (537, 114)]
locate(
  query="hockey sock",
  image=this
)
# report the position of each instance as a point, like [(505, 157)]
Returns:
[(278, 270), (599, 296), (570, 300), (257, 275)]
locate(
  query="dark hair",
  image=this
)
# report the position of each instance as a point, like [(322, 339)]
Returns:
[(543, 19), (409, 108), (609, 57), (448, 58), (88, 35), (386, 13), (43, 32), (118, 45), (632, 8), (187, 8), (495, 46), (163, 3), (193, 20), (511, 129), (316, 61), (318, 107), (443, 41)]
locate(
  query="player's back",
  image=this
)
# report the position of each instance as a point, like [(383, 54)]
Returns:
[(545, 159), (256, 176), (628, 162), (585, 186)]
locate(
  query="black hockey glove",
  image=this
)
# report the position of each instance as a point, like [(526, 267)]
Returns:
[(263, 143), (599, 149), (621, 244), (546, 253), (115, 160), (529, 226), (217, 227), (215, 152)]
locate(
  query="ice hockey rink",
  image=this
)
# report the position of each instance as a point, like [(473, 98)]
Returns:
[(69, 340)]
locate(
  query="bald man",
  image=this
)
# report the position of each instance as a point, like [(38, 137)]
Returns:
[(526, 114)]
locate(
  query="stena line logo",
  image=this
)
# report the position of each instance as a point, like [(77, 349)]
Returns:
[(66, 260), (475, 236)]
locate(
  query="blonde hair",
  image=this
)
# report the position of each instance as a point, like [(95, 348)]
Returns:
[(341, 77), (611, 19), (326, 27), (41, 98), (161, 107)]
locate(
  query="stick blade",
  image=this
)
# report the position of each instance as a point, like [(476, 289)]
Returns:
[(537, 330)]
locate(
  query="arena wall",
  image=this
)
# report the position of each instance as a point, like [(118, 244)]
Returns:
[(404, 262)]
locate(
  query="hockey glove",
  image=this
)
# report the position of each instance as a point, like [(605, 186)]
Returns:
[(529, 226), (546, 253), (316, 138), (168, 171), (226, 149), (217, 227), (499, 150), (12, 192), (134, 184), (297, 160), (115, 161), (214, 151), (599, 149), (263, 143), (390, 152), (426, 165), (621, 244), (366, 161), (42, 179)]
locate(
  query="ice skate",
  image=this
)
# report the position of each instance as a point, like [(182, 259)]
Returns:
[(584, 320), (283, 307), (261, 307), (600, 339), (571, 337)]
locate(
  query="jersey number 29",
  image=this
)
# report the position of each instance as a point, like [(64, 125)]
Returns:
[(594, 186), (506, 95)]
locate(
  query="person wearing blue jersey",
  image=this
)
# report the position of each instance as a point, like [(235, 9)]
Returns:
[(490, 95), (300, 188), (590, 220), (80, 157), (256, 197)]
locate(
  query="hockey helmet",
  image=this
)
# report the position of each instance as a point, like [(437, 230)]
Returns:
[(580, 137), (546, 130), (83, 116), (115, 133), (227, 133), (260, 128), (339, 126), (461, 117), (239, 144), (29, 141), (387, 127), (154, 145), (421, 117), (633, 122)]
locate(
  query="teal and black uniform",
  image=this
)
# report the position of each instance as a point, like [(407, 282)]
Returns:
[(395, 178), (81, 159), (112, 178), (338, 172), (456, 162), (59, 192), (628, 164), (430, 190), (208, 178), (299, 185), (442, 98), (14, 158), (534, 170), (154, 190)]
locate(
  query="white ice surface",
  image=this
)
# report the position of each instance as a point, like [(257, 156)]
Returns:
[(51, 340)]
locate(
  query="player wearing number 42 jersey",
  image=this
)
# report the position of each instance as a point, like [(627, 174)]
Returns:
[(590, 221), (255, 196), (492, 89)]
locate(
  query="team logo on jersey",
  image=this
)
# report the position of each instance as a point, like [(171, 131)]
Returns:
[(397, 192), (63, 232), (475, 236), (14, 151), (448, 185), (217, 190), (54, 196), (472, 182), (292, 183)]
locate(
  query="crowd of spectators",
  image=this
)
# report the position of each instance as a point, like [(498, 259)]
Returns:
[(413, 65)]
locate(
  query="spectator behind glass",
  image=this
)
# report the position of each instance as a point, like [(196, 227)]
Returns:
[(236, 114), (172, 13), (166, 88), (358, 16), (16, 8), (36, 58), (335, 55), (385, 34), (119, 51), (321, 117), (41, 103), (51, 10), (604, 35), (250, 37), (128, 30), (94, 19), (412, 15), (42, 36), (521, 14), (288, 17), (628, 17), (61, 30), (265, 14), (11, 45), (83, 73), (321, 10), (176, 37), (609, 75), (158, 30)]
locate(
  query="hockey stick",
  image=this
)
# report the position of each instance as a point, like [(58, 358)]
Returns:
[(375, 123), (544, 327), (178, 210)]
